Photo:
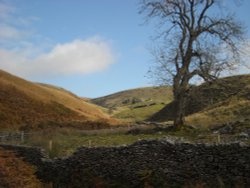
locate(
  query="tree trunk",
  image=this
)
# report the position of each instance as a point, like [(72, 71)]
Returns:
[(179, 90), (179, 118)]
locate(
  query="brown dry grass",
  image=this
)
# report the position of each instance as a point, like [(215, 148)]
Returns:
[(15, 173), (23, 102), (73, 102)]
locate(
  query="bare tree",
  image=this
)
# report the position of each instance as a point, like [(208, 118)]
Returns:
[(196, 39)]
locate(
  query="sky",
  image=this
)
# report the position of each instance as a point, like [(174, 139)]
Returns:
[(90, 47)]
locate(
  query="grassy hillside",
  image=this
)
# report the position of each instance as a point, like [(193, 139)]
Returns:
[(230, 111), (133, 96), (24, 104), (136, 104), (224, 100)]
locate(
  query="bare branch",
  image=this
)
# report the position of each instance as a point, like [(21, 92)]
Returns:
[(194, 43), (209, 3)]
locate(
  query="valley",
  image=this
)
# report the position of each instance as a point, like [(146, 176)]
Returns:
[(36, 115)]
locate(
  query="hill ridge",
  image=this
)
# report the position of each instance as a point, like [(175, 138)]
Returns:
[(24, 103)]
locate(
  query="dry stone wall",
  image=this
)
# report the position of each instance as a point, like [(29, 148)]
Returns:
[(33, 155), (156, 163)]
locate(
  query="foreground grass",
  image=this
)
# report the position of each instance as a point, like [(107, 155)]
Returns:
[(63, 142), (60, 144)]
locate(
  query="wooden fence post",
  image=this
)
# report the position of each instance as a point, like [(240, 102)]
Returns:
[(90, 143), (22, 137), (218, 138), (50, 145)]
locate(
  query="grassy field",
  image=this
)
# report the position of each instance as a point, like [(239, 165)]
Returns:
[(64, 143)]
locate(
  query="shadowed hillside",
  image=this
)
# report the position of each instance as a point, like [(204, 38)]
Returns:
[(223, 100), (136, 104), (26, 105)]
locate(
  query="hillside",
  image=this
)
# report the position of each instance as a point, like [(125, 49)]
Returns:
[(136, 104), (224, 100), (27, 105)]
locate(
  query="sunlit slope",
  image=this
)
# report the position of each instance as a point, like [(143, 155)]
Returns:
[(73, 102), (26, 104), (136, 104)]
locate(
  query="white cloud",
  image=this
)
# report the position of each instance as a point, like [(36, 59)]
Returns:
[(23, 56), (76, 57)]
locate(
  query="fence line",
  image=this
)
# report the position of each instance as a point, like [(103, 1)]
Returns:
[(19, 137), (12, 136)]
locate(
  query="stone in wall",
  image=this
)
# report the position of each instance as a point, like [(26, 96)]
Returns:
[(156, 163)]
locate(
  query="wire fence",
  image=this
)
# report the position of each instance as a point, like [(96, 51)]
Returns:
[(21, 137), (14, 137)]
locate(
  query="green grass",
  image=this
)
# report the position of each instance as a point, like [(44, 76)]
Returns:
[(133, 96), (136, 104), (139, 114), (60, 144)]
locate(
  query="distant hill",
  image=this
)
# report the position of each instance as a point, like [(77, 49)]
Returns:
[(27, 105), (136, 104), (224, 100)]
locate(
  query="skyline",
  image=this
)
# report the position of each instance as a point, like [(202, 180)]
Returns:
[(92, 48)]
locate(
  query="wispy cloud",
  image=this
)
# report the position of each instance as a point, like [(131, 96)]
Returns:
[(14, 29), (246, 54), (5, 11), (8, 32), (242, 66)]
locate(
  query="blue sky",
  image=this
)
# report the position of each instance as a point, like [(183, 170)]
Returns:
[(90, 47)]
